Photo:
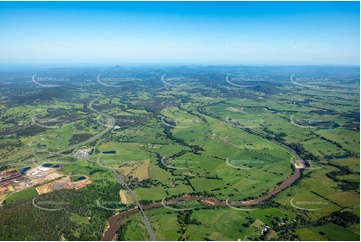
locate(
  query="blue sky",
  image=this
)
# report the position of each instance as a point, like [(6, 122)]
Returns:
[(236, 33)]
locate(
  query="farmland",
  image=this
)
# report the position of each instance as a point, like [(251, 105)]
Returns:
[(189, 132)]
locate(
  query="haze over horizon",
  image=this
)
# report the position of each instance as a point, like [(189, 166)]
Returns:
[(180, 33)]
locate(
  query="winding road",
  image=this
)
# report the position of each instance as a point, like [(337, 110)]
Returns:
[(145, 218), (111, 231), (113, 221), (109, 126)]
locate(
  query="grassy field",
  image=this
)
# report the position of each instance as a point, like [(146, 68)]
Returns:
[(216, 224), (331, 232), (18, 196), (197, 130), (79, 219)]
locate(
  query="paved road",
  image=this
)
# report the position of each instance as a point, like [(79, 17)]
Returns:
[(110, 125), (40, 125), (145, 218), (121, 180), (214, 202)]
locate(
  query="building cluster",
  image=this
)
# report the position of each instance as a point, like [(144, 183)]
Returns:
[(40, 172), (37, 176), (8, 177), (82, 153)]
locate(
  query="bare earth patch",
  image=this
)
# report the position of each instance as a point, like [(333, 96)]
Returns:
[(237, 110), (81, 184), (63, 183), (10, 188), (141, 172), (124, 196), (125, 170)]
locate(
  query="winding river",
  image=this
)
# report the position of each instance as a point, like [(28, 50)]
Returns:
[(113, 222)]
